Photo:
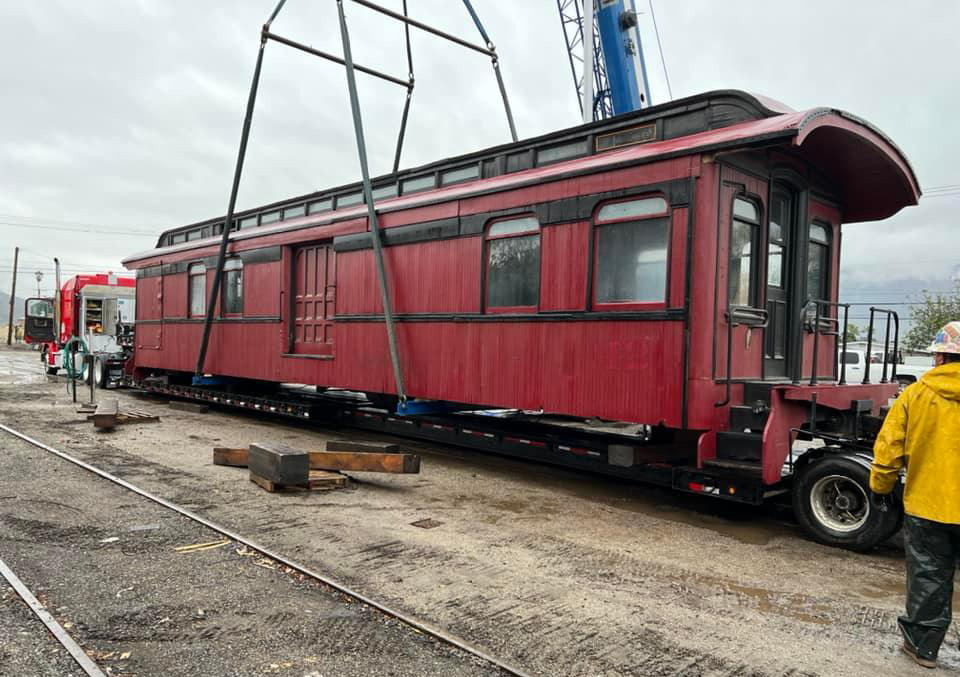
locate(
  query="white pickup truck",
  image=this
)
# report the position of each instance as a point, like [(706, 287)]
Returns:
[(856, 361)]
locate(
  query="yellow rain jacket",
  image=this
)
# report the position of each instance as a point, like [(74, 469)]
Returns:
[(922, 434)]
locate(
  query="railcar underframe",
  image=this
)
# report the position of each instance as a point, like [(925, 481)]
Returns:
[(676, 267)]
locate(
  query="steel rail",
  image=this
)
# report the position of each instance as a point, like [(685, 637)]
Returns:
[(61, 635), (422, 626), (336, 59)]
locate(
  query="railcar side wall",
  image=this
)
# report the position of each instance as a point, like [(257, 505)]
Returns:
[(564, 355)]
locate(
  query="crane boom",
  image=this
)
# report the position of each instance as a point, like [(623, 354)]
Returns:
[(615, 61)]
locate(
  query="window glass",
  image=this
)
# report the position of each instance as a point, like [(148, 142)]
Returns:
[(513, 226), (818, 263), (745, 209), (320, 206), (775, 265), (248, 222), (632, 261), (513, 263), (557, 153), (194, 235), (743, 235), (349, 200), (627, 137), (233, 286), (648, 206), (419, 183), (385, 191), (819, 234), (198, 289), (851, 358), (460, 174), (39, 308), (178, 238), (294, 212), (270, 217)]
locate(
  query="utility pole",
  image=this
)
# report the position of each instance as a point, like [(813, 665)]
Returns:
[(13, 295)]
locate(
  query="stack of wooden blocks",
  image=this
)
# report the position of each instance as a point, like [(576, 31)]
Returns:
[(276, 466)]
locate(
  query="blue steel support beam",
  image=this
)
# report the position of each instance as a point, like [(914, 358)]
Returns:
[(623, 55)]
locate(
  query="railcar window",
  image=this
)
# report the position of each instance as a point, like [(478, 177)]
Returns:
[(631, 263), (384, 192), (780, 207), (294, 212), (563, 152), (513, 263), (269, 217), (249, 222), (818, 262), (744, 234), (233, 286), (649, 206), (349, 200), (419, 183), (194, 235), (197, 290), (460, 174), (320, 206), (178, 238)]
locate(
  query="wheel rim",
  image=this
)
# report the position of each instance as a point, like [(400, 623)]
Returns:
[(98, 373), (839, 503)]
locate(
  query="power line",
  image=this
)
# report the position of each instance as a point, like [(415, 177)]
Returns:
[(663, 62), (97, 231)]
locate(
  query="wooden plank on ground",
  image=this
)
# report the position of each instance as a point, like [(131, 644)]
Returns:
[(279, 463), (190, 406), (322, 479), (232, 457), (263, 483), (365, 461), (106, 415), (359, 445), (357, 461)]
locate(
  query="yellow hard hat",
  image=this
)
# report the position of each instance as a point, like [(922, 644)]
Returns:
[(947, 339)]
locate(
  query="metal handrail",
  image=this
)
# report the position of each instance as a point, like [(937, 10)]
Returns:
[(831, 321), (740, 315), (886, 353)]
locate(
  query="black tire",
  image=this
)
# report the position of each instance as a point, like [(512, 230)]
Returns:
[(99, 373), (831, 502)]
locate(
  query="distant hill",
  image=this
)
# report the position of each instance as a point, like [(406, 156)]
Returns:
[(5, 308)]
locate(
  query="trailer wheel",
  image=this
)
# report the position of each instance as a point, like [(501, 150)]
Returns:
[(99, 371), (831, 500)]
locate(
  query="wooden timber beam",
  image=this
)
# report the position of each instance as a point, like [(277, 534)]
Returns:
[(357, 461)]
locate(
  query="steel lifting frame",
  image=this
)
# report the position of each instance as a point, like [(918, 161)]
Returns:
[(351, 68)]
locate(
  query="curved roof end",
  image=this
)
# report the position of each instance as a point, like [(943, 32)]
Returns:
[(875, 176)]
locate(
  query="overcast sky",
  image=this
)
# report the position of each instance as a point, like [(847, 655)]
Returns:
[(122, 118)]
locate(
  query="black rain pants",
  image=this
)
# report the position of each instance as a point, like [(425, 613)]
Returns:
[(932, 550)]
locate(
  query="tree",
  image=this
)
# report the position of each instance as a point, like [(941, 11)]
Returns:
[(932, 312), (853, 333)]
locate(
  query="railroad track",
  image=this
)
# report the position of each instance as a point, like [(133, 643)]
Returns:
[(91, 668)]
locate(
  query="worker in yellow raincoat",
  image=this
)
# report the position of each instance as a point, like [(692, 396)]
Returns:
[(921, 434)]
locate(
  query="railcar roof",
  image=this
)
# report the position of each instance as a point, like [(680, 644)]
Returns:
[(873, 175)]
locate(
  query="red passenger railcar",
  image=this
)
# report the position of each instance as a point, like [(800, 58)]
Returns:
[(676, 267)]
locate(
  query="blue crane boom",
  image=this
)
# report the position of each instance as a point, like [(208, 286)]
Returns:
[(618, 76)]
